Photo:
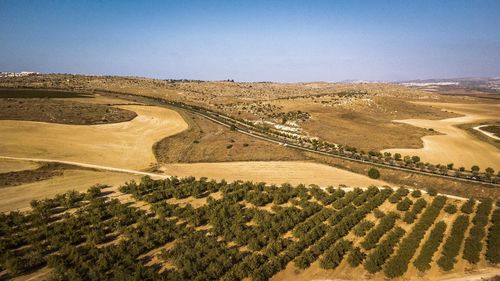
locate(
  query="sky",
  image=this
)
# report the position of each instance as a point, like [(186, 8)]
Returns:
[(284, 41)]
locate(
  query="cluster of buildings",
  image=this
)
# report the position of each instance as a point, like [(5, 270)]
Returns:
[(18, 74)]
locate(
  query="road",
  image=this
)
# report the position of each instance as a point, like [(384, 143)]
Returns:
[(244, 128), (91, 166)]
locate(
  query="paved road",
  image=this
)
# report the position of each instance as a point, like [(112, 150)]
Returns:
[(222, 120)]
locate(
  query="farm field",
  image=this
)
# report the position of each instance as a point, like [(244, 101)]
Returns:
[(455, 145), (19, 197), (240, 230), (120, 145), (276, 231), (272, 172)]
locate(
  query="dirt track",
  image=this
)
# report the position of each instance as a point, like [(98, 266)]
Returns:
[(456, 145)]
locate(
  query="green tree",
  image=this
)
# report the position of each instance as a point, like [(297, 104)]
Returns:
[(373, 173)]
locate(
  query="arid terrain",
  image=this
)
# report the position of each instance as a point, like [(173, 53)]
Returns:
[(456, 145), (108, 130)]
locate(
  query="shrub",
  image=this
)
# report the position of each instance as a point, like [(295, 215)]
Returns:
[(416, 193), (396, 196), (378, 214), (356, 256), (423, 261), (431, 191), (361, 229), (493, 240), (377, 257), (473, 244), (468, 206), (372, 238), (404, 205), (398, 264), (415, 210), (452, 244), (334, 255), (450, 209), (373, 173)]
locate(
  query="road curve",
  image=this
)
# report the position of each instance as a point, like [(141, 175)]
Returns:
[(169, 104)]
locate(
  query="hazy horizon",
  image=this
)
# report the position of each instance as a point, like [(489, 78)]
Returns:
[(280, 41)]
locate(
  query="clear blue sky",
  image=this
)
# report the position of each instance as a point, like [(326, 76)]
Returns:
[(253, 40)]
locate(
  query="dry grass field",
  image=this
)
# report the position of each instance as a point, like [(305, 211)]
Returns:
[(206, 141), (7, 165), (121, 145), (19, 197), (178, 143), (272, 172), (456, 145)]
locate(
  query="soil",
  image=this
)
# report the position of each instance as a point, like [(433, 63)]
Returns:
[(469, 128), (7, 165), (273, 172), (368, 125), (492, 129), (19, 197), (206, 141), (120, 145), (62, 111), (44, 172), (456, 145)]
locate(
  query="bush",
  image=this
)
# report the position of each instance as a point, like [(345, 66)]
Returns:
[(411, 215), (356, 256), (361, 229), (452, 244), (334, 255), (404, 205), (431, 191), (473, 244), (398, 264), (493, 240), (378, 214), (400, 193), (416, 193), (450, 209), (423, 261), (372, 238), (373, 173), (377, 257), (468, 206)]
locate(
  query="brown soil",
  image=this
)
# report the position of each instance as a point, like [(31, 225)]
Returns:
[(125, 145), (455, 145), (62, 111), (206, 141), (44, 172), (19, 197), (369, 126), (492, 129), (273, 172), (469, 128)]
